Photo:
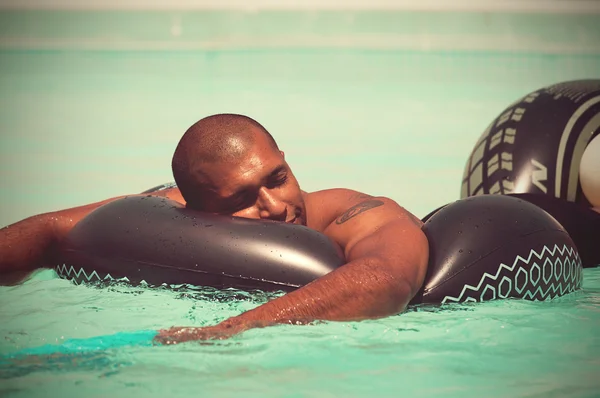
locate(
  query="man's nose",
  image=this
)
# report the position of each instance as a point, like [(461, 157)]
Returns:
[(271, 207)]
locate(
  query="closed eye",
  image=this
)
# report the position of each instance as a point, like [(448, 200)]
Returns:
[(277, 181)]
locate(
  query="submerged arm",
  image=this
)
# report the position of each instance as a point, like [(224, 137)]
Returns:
[(386, 254)]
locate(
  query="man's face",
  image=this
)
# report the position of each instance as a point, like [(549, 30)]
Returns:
[(259, 185)]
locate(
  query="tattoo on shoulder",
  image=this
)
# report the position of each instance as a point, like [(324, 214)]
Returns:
[(357, 209)]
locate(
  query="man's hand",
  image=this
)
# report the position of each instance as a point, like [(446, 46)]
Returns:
[(223, 330)]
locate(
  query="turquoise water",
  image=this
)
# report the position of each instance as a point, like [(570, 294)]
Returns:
[(497, 349), (92, 105)]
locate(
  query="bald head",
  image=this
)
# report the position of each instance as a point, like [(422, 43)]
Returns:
[(222, 138)]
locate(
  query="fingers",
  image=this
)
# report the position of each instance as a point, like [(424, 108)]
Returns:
[(174, 335), (177, 335)]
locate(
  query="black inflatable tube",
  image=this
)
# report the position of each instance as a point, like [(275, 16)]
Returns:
[(494, 246), (481, 248), (158, 241)]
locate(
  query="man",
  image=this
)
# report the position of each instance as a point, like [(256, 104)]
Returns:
[(230, 164)]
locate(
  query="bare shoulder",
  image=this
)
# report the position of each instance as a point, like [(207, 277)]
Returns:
[(349, 217), (324, 206), (340, 205)]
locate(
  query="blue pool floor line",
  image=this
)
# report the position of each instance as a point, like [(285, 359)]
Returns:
[(99, 343)]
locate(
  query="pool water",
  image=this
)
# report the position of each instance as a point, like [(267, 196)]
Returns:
[(389, 103), (512, 348)]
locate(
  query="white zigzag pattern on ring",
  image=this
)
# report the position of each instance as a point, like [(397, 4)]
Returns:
[(566, 287), (69, 272), (573, 265)]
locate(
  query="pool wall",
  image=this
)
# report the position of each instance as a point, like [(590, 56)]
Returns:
[(384, 97)]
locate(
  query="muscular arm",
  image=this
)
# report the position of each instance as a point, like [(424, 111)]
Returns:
[(386, 254), (32, 242)]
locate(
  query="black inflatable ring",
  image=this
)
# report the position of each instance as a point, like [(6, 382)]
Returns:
[(481, 248)]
